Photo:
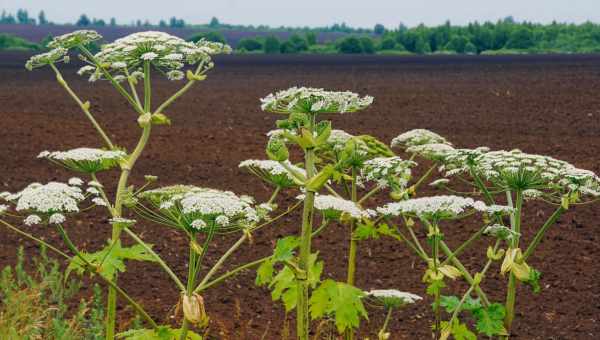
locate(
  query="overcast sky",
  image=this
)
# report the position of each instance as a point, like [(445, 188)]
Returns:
[(361, 13)]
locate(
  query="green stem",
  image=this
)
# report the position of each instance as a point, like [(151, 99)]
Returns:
[(181, 91), (424, 177), (381, 334), (465, 273), (222, 260), (464, 246), (230, 273), (147, 87), (436, 304), (158, 259), (302, 320), (83, 107), (511, 291), (353, 247), (112, 80), (111, 284), (190, 286), (274, 195), (134, 304), (540, 234)]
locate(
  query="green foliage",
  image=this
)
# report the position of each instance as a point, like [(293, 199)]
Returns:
[(214, 36), (388, 43), (489, 321), (271, 45), (249, 44), (162, 333), (294, 44), (110, 260), (11, 42), (36, 306), (340, 300), (350, 45)]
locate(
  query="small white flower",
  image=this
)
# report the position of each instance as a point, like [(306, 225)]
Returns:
[(118, 65), (32, 219), (99, 201), (315, 100), (439, 182), (175, 75), (86, 69), (222, 220), (56, 218), (93, 191), (149, 56), (393, 298), (198, 224), (3, 208), (418, 137), (75, 181)]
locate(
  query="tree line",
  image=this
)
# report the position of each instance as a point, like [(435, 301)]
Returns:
[(503, 36)]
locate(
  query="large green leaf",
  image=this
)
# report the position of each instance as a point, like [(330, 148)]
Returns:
[(110, 260), (341, 300)]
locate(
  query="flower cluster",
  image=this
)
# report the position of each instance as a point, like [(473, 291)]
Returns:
[(433, 208), (86, 160), (53, 56), (530, 173), (334, 207), (313, 100), (418, 137), (392, 298), (391, 172), (433, 152), (125, 56), (74, 39), (47, 201), (274, 172), (201, 209), (461, 160), (338, 139)]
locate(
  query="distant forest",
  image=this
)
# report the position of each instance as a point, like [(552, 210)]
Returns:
[(506, 36)]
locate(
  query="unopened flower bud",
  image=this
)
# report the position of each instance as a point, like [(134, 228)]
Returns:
[(193, 309)]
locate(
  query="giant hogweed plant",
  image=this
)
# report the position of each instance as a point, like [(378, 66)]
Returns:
[(511, 177), (129, 64), (335, 181)]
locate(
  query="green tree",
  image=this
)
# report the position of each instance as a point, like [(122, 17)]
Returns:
[(42, 18), (271, 45), (23, 17), (83, 21), (249, 44), (367, 45), (422, 46), (470, 48), (388, 43), (379, 29), (350, 45), (311, 38), (113, 22), (521, 38), (457, 44), (214, 22)]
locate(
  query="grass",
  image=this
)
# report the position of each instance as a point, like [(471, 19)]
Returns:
[(41, 305)]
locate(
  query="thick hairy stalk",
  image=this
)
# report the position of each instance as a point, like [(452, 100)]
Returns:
[(302, 319), (511, 291), (353, 247)]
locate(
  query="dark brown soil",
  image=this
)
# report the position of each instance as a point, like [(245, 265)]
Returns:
[(548, 105)]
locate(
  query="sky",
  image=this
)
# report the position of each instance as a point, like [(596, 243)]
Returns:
[(357, 13)]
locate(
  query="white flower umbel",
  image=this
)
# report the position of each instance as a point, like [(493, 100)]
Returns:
[(75, 181), (32, 220), (57, 218), (45, 200), (74, 39), (165, 52), (434, 152), (418, 137), (461, 160), (314, 100), (501, 232), (518, 171), (163, 194), (433, 208), (51, 57), (218, 209), (391, 172), (86, 160), (273, 172), (338, 139), (392, 298), (334, 207)]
